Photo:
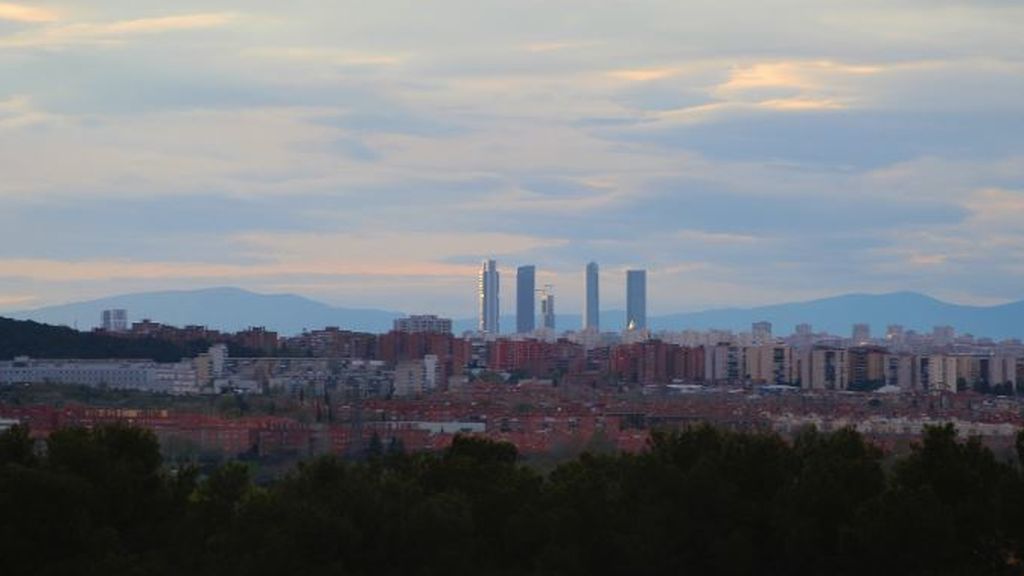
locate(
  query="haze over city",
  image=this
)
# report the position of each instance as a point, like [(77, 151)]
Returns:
[(368, 155)]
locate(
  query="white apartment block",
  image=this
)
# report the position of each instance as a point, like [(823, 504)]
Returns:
[(171, 378), (414, 377)]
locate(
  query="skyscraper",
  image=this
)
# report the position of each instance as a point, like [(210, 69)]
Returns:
[(488, 290), (636, 299), (592, 307), (547, 306), (526, 307)]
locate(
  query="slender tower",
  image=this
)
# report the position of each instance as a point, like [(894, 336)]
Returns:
[(488, 291), (526, 307), (547, 306), (592, 307), (636, 299)]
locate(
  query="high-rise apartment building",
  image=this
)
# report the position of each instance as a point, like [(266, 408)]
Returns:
[(115, 320), (636, 299), (935, 372), (423, 323), (526, 307), (861, 333), (824, 368), (592, 306), (488, 291)]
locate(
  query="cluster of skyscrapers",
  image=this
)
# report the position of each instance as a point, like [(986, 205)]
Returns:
[(526, 300)]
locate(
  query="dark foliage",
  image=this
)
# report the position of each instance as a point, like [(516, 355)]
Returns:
[(26, 338), (700, 501)]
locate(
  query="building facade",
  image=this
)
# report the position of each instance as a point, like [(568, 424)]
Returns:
[(488, 292), (591, 300), (146, 375), (414, 377), (115, 320), (547, 309), (636, 299), (526, 307), (761, 332), (425, 323)]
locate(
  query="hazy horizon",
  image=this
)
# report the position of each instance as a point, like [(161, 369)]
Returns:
[(508, 303), (370, 155), (232, 309)]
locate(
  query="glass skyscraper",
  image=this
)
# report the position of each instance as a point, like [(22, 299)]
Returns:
[(636, 299), (592, 306), (488, 291), (547, 308), (526, 306)]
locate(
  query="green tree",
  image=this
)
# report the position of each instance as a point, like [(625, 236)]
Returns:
[(17, 446), (943, 512), (1020, 448)]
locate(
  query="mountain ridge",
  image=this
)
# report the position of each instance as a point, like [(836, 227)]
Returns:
[(232, 309)]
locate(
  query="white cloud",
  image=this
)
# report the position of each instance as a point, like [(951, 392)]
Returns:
[(115, 32), (18, 112), (29, 14), (430, 133), (325, 56)]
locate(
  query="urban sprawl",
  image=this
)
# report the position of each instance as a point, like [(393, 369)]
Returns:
[(542, 389)]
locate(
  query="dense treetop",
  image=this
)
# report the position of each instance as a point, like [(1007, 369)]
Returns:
[(699, 501), (27, 338)]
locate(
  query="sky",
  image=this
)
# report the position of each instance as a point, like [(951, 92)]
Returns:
[(371, 154)]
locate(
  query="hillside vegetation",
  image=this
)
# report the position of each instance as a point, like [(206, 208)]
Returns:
[(701, 501)]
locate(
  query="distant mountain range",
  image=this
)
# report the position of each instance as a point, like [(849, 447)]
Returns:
[(229, 309), (234, 309), (838, 314)]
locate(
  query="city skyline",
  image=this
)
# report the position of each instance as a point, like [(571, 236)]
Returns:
[(526, 300), (369, 154), (234, 308), (512, 287)]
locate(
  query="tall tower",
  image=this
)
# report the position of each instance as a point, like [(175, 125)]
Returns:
[(526, 307), (547, 306), (636, 299), (592, 306), (488, 290)]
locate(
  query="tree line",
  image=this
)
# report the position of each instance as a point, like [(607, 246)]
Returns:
[(697, 501), (27, 338)]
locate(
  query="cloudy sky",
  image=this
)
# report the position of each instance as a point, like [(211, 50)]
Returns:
[(371, 153)]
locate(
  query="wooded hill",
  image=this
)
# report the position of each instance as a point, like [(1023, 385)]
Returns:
[(701, 501), (26, 338)]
